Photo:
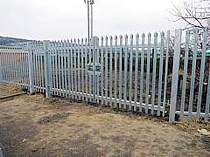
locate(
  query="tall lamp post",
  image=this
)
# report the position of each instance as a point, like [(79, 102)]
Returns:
[(90, 17)]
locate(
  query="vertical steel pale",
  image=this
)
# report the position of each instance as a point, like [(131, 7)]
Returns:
[(136, 71), (142, 73), (186, 56), (166, 71), (125, 71), (47, 70), (175, 74), (202, 72), (148, 73), (193, 75), (160, 80), (154, 72), (131, 72), (30, 65)]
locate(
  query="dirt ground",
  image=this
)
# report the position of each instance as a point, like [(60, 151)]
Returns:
[(32, 126)]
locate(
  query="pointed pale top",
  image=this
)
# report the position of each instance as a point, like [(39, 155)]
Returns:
[(102, 38), (131, 39), (156, 34), (106, 40), (121, 39), (111, 40), (115, 38), (162, 34), (65, 43), (86, 40), (143, 39), (62, 43), (126, 39), (102, 41), (137, 39), (137, 35)]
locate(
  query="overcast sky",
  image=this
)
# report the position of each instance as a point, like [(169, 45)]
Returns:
[(61, 19)]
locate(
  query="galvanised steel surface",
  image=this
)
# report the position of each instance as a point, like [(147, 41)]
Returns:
[(175, 75), (141, 73)]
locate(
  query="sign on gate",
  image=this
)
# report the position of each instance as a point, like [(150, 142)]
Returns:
[(94, 68)]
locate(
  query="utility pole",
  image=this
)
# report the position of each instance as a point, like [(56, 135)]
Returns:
[(90, 18), (91, 4)]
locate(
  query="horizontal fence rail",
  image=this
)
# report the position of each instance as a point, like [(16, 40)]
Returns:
[(142, 73)]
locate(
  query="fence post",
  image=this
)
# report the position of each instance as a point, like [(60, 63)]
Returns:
[(30, 67), (176, 60), (47, 68), (95, 43)]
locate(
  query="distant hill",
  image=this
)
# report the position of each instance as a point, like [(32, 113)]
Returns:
[(11, 41)]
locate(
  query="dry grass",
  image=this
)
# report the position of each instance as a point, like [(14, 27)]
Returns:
[(38, 127), (9, 89)]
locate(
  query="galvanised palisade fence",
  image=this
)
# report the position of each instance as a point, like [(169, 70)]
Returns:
[(143, 73), (14, 65)]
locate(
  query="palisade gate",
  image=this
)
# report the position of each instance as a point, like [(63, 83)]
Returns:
[(150, 73)]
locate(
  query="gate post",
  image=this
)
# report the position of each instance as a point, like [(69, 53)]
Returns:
[(175, 75), (30, 67), (95, 43), (47, 68)]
